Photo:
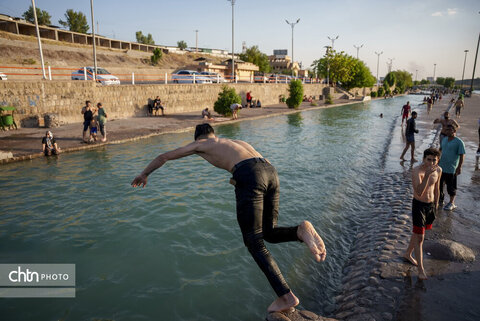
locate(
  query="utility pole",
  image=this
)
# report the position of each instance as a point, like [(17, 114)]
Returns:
[(378, 61), (94, 44), (434, 70), (38, 37), (292, 24), (233, 40), (328, 66), (390, 64), (416, 73), (358, 48), (464, 62)]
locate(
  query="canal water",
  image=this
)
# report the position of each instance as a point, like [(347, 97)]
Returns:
[(173, 250)]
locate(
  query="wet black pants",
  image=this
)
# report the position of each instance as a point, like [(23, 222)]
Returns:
[(257, 193)]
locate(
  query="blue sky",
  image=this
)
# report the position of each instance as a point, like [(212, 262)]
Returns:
[(415, 34)]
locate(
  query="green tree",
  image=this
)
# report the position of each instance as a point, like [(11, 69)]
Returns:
[(226, 98), (449, 82), (75, 21), (296, 94), (339, 66), (182, 45), (157, 55), (440, 81), (381, 92), (390, 79), (141, 38), (43, 17), (424, 82), (362, 77), (255, 56)]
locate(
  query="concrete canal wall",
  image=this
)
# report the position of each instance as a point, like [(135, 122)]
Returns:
[(33, 99)]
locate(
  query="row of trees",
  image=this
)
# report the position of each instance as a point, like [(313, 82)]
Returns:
[(74, 21), (341, 68)]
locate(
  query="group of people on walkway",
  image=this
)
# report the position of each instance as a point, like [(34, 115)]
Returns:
[(94, 119), (439, 168)]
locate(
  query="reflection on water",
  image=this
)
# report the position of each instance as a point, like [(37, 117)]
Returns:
[(174, 249)]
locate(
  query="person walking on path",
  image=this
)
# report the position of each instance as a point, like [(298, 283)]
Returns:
[(445, 121), (410, 137), (249, 99), (459, 104), (406, 111), (257, 196), (426, 193), (88, 112), (102, 120), (453, 154)]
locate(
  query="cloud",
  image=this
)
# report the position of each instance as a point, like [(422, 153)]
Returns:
[(437, 14), (451, 12)]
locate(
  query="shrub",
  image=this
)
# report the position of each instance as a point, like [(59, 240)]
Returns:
[(29, 61), (313, 104), (373, 94), (329, 100), (296, 94), (381, 92), (157, 55), (226, 98)]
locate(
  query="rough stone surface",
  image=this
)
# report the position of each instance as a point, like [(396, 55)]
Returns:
[(51, 120), (296, 315), (449, 250)]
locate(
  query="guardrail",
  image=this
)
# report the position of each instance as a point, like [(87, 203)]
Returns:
[(58, 73)]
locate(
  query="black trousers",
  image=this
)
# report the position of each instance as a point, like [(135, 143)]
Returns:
[(257, 194)]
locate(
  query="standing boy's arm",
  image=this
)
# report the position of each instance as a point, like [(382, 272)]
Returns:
[(419, 186), (436, 191)]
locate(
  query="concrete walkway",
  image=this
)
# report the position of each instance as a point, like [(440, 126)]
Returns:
[(25, 143)]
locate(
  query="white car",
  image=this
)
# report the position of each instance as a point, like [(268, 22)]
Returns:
[(187, 77), (103, 76), (214, 77), (3, 76)]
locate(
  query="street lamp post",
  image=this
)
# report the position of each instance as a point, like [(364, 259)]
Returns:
[(233, 40), (358, 48), (94, 43), (292, 24), (333, 40), (38, 37), (378, 61), (416, 73), (196, 40), (434, 69), (464, 62), (474, 66)]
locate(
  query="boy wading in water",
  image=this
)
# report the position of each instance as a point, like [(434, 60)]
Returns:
[(257, 194), (426, 193)]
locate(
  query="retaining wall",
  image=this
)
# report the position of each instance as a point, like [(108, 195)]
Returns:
[(35, 98)]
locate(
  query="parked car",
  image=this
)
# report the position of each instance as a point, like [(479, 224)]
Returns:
[(260, 78), (187, 76), (280, 78), (3, 76), (213, 76), (103, 76)]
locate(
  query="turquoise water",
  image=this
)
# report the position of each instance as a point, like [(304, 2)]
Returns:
[(173, 250)]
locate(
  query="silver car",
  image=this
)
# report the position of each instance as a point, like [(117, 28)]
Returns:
[(103, 76), (3, 76), (214, 77), (190, 77)]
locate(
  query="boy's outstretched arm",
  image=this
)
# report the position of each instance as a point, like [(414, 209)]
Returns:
[(160, 160)]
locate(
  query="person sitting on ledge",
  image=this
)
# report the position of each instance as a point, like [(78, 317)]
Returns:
[(49, 145), (259, 104), (257, 191), (206, 114)]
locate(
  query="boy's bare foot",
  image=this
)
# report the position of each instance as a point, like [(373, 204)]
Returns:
[(410, 259), (422, 275), (284, 303), (306, 233)]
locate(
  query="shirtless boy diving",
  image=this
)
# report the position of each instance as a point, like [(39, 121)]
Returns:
[(426, 193), (257, 195)]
